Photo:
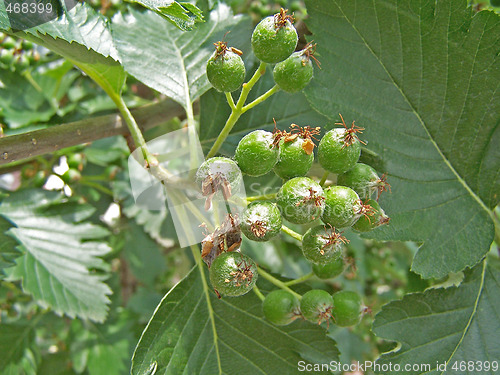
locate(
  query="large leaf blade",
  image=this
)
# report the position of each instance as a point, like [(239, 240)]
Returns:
[(60, 256), (446, 325), (169, 60), (385, 68), (179, 337)]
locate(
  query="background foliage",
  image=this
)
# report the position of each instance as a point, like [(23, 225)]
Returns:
[(86, 275)]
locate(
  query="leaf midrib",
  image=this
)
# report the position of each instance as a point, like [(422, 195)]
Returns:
[(422, 123)]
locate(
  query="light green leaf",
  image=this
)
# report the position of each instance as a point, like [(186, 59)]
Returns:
[(446, 325), (423, 79), (15, 338), (179, 337), (285, 108), (80, 35), (183, 15), (60, 256), (169, 60)]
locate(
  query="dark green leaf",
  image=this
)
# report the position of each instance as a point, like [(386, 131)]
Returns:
[(423, 79), (179, 336), (169, 60), (15, 338), (60, 256), (183, 15), (445, 325)]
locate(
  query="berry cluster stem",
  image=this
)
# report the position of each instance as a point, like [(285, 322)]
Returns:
[(262, 197), (239, 108), (258, 293), (300, 279), (278, 283), (291, 233)]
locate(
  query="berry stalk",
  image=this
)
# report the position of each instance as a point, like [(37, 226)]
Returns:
[(238, 109), (291, 233), (278, 283)]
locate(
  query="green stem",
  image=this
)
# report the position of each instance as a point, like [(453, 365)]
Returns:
[(261, 197), (230, 100), (300, 279), (261, 98), (237, 111), (259, 294), (324, 178), (249, 85), (291, 233), (280, 284)]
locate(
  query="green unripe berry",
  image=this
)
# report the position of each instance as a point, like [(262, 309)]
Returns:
[(293, 159), (224, 167), (274, 39), (7, 56), (233, 274), (226, 71), (294, 73), (300, 200), (342, 207), (336, 154), (281, 307), (9, 43), (347, 308), (316, 306), (321, 244), (329, 270), (361, 178), (71, 175), (372, 219), (261, 221), (255, 154)]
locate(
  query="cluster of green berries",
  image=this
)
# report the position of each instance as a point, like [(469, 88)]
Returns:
[(16, 54), (326, 208), (300, 200), (274, 41)]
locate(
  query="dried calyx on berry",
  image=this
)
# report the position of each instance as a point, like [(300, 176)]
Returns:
[(225, 69), (294, 73)]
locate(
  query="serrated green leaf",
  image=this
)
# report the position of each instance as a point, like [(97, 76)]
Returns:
[(60, 256), (169, 60), (285, 108), (445, 325), (15, 338), (183, 15), (423, 79), (179, 337), (80, 35)]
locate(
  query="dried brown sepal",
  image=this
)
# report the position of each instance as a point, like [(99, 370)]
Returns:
[(382, 185), (332, 238), (281, 18), (258, 228), (325, 316), (237, 51), (351, 133), (365, 209), (313, 196), (211, 185), (243, 274), (308, 134), (309, 51), (227, 237)]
